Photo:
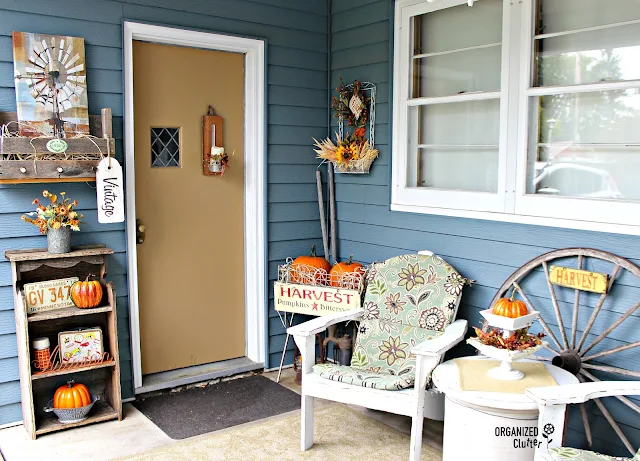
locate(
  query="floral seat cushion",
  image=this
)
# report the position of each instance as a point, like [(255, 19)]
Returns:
[(573, 454), (348, 375)]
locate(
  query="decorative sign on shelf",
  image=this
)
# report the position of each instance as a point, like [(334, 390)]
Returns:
[(314, 300), (579, 279), (48, 295), (110, 188), (82, 346)]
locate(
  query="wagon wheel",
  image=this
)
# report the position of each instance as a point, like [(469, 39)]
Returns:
[(574, 352)]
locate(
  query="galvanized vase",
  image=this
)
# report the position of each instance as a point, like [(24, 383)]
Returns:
[(59, 240)]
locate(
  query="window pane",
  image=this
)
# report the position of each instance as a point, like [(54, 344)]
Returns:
[(611, 54), (463, 72), (459, 27), (165, 147), (585, 145), (563, 15), (455, 146)]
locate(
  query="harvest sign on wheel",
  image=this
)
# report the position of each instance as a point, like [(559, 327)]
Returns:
[(314, 300)]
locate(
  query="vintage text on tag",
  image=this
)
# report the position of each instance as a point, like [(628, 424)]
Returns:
[(110, 188)]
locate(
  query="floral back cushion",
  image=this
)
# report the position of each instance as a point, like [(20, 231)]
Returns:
[(409, 299), (417, 290)]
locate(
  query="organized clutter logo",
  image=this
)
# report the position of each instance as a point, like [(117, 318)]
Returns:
[(523, 436)]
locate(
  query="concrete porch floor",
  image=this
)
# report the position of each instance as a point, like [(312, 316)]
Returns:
[(136, 434)]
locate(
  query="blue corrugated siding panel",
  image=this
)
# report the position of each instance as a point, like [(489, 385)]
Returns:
[(297, 103), (482, 250)]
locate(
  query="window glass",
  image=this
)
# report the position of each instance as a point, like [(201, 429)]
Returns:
[(604, 55), (585, 145), (565, 15), (456, 146)]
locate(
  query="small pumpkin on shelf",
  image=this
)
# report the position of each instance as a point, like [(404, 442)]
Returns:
[(509, 307), (345, 274), (310, 269), (71, 395), (86, 293)]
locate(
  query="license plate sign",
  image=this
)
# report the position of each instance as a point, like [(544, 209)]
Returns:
[(49, 295)]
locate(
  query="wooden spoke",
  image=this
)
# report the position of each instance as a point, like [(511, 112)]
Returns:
[(611, 351), (615, 426), (576, 303), (585, 419), (615, 370), (615, 325), (546, 328), (556, 307), (622, 398), (599, 305)]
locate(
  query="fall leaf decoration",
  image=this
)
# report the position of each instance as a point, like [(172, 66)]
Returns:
[(351, 104), (346, 153), (519, 340)]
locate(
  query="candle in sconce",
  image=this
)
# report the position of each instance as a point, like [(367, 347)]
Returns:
[(214, 149)]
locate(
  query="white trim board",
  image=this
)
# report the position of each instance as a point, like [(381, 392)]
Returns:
[(254, 179)]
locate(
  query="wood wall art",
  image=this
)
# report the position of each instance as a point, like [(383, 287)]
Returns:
[(211, 137), (51, 84)]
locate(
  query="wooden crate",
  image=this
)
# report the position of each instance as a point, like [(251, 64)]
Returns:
[(37, 387), (26, 171)]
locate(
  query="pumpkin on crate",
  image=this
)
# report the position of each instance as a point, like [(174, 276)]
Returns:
[(509, 307), (346, 274), (71, 395), (310, 269), (86, 293)]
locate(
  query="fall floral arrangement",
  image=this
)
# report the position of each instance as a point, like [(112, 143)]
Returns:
[(351, 153), (519, 340), (55, 214)]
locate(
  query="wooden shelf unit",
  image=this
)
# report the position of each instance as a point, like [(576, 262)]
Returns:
[(103, 379)]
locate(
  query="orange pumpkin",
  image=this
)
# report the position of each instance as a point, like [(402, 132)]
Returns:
[(340, 274), (86, 293), (71, 395), (509, 307), (310, 269)]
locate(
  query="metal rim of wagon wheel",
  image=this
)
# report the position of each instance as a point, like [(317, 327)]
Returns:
[(570, 352)]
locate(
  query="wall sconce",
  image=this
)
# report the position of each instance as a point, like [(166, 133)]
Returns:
[(214, 159)]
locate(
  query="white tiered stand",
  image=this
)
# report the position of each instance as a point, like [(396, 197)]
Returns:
[(505, 371)]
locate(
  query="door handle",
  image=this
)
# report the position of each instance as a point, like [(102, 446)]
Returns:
[(140, 228)]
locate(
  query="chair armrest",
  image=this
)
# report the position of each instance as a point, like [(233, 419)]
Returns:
[(313, 326), (451, 336), (579, 393)]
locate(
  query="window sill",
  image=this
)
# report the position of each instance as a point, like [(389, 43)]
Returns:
[(521, 219)]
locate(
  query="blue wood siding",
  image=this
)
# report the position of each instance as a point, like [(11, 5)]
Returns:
[(296, 33), (486, 251)]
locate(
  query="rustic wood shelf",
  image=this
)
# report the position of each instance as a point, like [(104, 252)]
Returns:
[(102, 379), (101, 411), (77, 164), (66, 312), (70, 371)]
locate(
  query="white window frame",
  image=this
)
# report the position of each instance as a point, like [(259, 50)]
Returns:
[(510, 203)]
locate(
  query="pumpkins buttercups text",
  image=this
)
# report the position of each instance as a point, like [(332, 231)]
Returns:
[(86, 293)]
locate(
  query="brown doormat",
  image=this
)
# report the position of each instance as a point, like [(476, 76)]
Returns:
[(200, 410)]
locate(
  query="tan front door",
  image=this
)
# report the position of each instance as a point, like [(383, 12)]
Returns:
[(191, 264)]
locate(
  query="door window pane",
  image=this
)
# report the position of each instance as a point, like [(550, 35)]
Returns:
[(455, 146), (585, 145), (165, 147)]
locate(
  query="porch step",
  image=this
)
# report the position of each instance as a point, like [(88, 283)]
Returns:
[(183, 376)]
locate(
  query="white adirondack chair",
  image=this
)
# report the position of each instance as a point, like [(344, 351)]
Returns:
[(406, 326), (553, 402)]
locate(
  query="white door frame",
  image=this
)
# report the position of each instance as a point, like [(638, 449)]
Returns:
[(254, 176)]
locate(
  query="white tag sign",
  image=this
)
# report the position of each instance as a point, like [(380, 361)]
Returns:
[(110, 187)]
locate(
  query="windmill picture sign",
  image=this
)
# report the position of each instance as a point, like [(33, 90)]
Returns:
[(51, 85)]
